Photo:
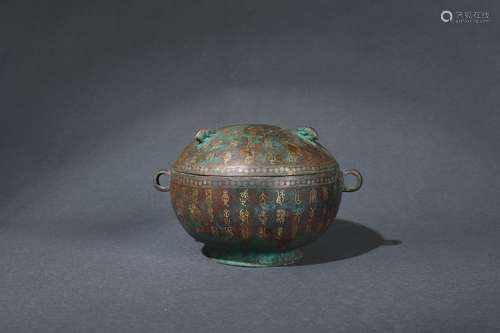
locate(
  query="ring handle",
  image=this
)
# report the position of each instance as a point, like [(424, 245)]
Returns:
[(156, 180), (359, 180)]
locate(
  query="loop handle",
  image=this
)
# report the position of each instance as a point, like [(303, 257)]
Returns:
[(359, 180), (156, 180)]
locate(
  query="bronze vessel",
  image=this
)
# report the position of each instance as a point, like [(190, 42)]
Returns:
[(255, 194)]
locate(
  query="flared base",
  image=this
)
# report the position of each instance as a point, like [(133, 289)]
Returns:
[(252, 258)]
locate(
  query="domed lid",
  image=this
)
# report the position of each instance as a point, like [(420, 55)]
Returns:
[(255, 150)]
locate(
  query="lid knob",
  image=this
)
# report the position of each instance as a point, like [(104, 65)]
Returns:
[(203, 135), (308, 133)]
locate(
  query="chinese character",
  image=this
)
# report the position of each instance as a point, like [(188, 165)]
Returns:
[(279, 233), (226, 157), (244, 197), (263, 217), (313, 196), (298, 214), (297, 197), (311, 214), (280, 198), (280, 216), (324, 190), (263, 199), (208, 196), (262, 232), (227, 217), (225, 198), (211, 215), (244, 232), (229, 231), (244, 214), (193, 209), (292, 157), (214, 230)]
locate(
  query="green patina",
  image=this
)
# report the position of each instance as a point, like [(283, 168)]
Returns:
[(205, 137), (253, 145), (230, 192), (307, 133), (252, 258)]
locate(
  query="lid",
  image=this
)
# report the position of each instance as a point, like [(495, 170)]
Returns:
[(255, 150)]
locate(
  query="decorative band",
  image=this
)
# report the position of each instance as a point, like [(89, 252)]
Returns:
[(256, 182), (275, 170)]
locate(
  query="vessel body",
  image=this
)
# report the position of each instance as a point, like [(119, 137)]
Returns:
[(254, 194)]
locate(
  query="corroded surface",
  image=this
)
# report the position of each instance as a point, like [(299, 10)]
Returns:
[(253, 258), (323, 178), (259, 218), (253, 194), (255, 150)]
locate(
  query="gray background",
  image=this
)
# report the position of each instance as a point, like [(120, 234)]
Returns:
[(95, 96)]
